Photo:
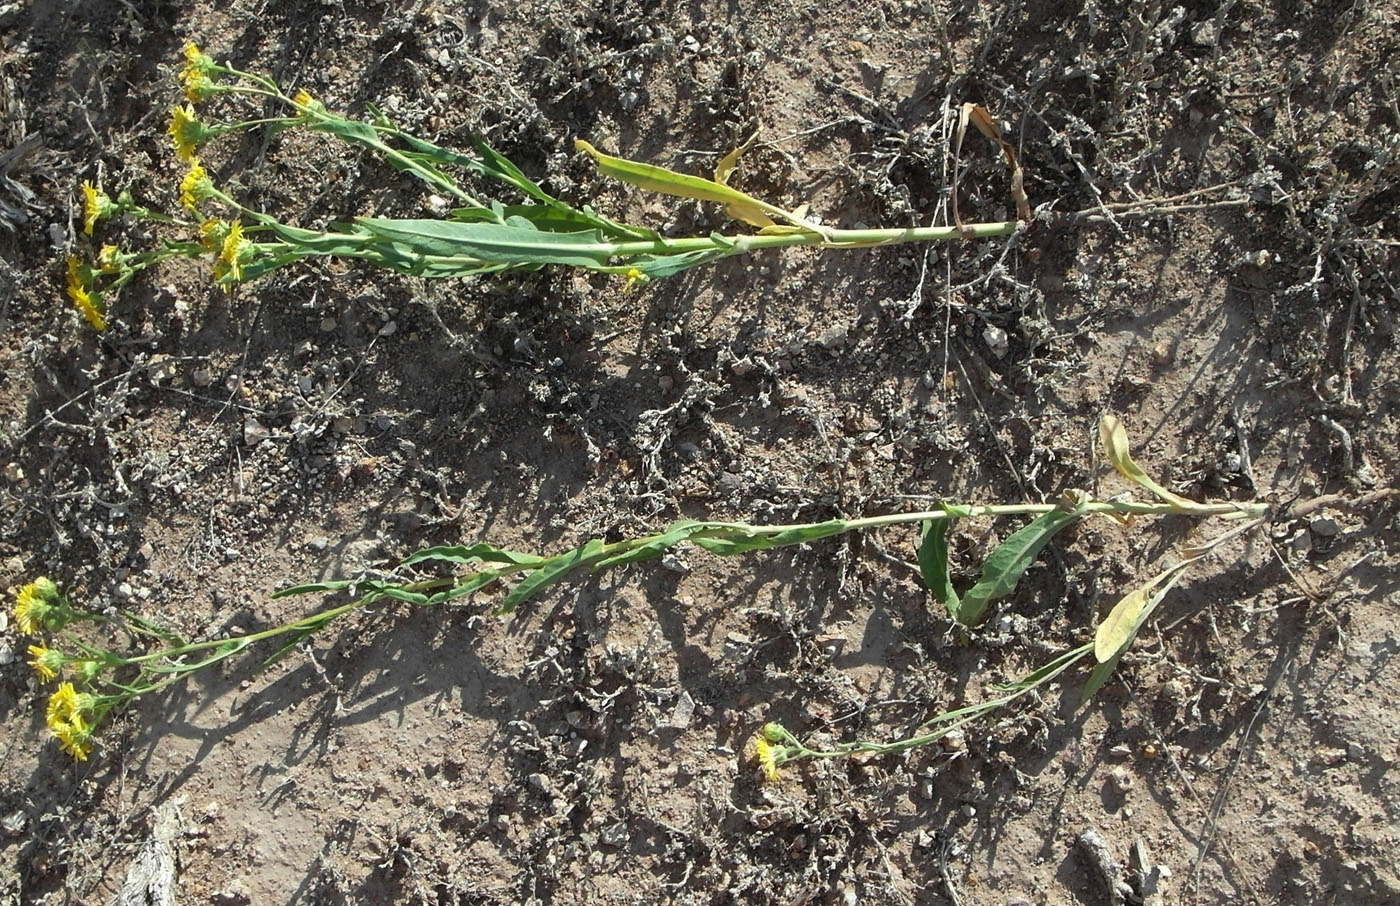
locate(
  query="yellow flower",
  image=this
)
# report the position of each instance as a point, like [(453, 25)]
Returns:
[(633, 277), (195, 187), (194, 77), (212, 233), (75, 737), (187, 132), (46, 662), (231, 254), (32, 605), (109, 259), (82, 297), (63, 704), (96, 206), (767, 758), (303, 98)]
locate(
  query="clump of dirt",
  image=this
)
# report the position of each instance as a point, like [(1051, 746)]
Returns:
[(1214, 259)]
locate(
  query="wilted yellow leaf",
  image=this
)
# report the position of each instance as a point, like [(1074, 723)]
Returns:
[(1115, 445), (1121, 626)]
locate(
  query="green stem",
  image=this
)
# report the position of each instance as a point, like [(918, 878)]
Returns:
[(958, 718)]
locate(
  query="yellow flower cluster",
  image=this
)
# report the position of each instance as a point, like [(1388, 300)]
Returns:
[(194, 77), (46, 662), (82, 297), (70, 718), (194, 187), (109, 259), (228, 269), (33, 605), (96, 206), (767, 758), (186, 132), (212, 233)]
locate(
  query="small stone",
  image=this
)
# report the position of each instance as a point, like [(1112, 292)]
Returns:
[(682, 713), (834, 337), (1163, 354), (389, 328), (614, 834), (1324, 527), (318, 544), (968, 811), (1205, 34), (201, 377), (541, 783), (327, 325), (7, 654), (1330, 757), (383, 423), (996, 340), (1121, 779), (124, 591), (13, 473), (742, 367), (665, 382), (255, 432), (1356, 751)]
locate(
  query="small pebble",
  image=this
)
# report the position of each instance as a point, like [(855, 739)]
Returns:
[(996, 340), (1324, 527), (255, 432)]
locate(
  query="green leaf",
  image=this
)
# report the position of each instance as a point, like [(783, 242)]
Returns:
[(1099, 675), (473, 553), (354, 132), (933, 563), (1010, 560), (285, 649), (468, 585), (550, 573), (744, 540), (514, 242), (401, 594), (311, 588), (655, 547), (658, 266)]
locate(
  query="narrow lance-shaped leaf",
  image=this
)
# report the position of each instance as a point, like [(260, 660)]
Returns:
[(752, 211), (515, 242), (472, 553), (655, 547), (1117, 631), (1115, 445), (552, 571), (1121, 626), (1010, 560), (933, 564), (742, 540)]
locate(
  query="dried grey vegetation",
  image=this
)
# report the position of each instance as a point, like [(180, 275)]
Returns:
[(1229, 288)]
